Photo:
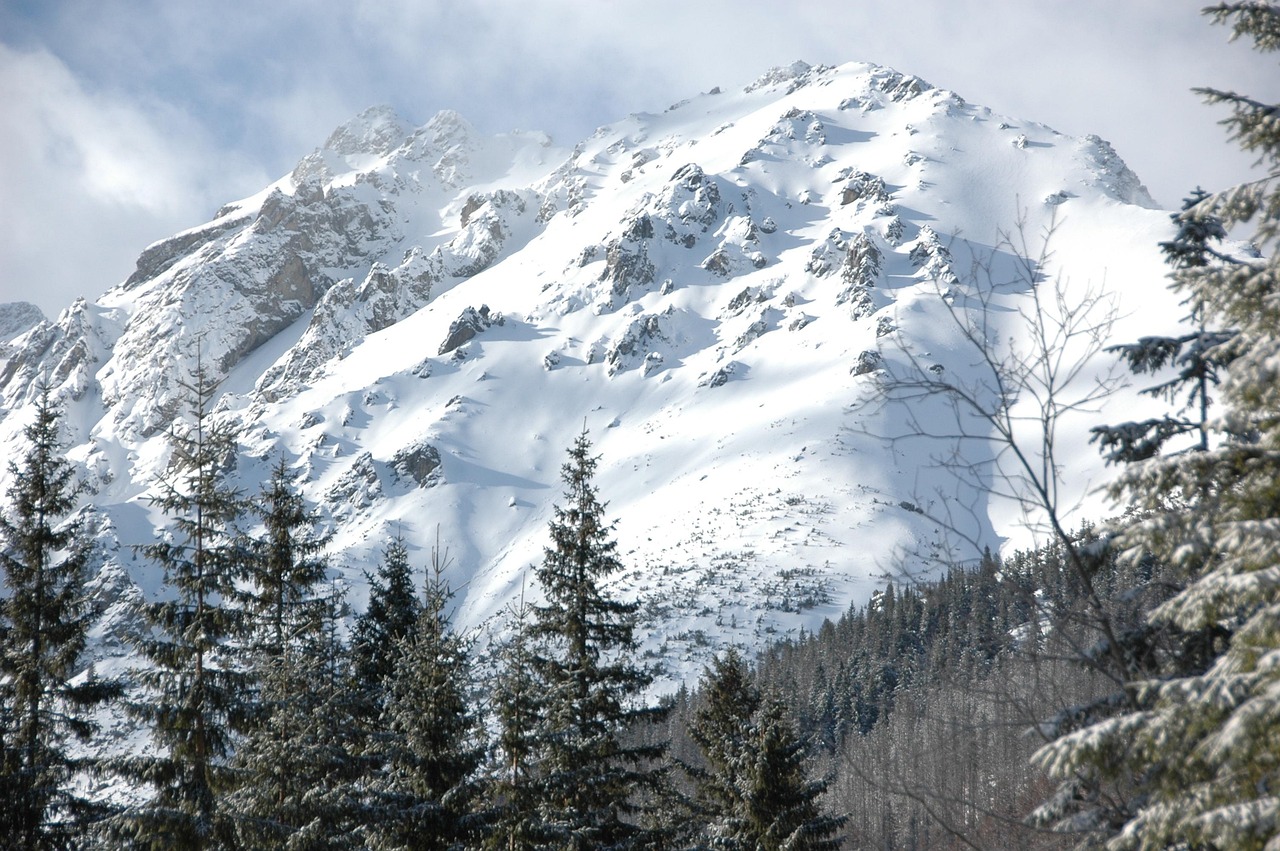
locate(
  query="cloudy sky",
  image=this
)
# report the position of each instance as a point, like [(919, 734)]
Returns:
[(123, 121)]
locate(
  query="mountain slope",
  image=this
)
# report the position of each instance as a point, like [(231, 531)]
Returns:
[(420, 319)]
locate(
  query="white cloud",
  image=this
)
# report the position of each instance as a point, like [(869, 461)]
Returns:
[(194, 105), (88, 181)]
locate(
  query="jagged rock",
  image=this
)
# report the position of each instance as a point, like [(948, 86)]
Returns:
[(689, 204), (419, 463), (793, 75), (758, 328), (359, 486), (721, 376), (865, 187), (158, 257), (744, 299), (468, 324), (17, 317), (868, 361), (933, 258), (630, 347), (860, 272)]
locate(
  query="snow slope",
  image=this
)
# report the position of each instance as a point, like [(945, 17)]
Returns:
[(419, 320)]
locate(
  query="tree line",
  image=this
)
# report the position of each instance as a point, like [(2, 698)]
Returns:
[(1116, 687), (270, 729)]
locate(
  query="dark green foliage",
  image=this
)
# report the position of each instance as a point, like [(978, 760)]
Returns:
[(285, 568), (755, 792), (429, 743), (1195, 747), (721, 728), (585, 780), (515, 701), (301, 768), (44, 618), (391, 615), (781, 804), (195, 698), (1199, 356)]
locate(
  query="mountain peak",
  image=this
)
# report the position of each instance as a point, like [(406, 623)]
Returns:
[(711, 289), (780, 74), (378, 130)]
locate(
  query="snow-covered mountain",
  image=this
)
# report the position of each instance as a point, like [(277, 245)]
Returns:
[(419, 320)]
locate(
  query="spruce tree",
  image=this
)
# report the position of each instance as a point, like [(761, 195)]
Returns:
[(44, 619), (1198, 356), (285, 568), (391, 614), (302, 768), (721, 728), (512, 788), (589, 779), (429, 744), (194, 694), (755, 794), (1205, 747)]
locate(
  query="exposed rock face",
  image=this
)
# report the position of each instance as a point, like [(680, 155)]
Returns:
[(419, 463), (713, 317), (468, 324), (18, 316)]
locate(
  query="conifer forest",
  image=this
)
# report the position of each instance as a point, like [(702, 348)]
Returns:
[(1116, 685)]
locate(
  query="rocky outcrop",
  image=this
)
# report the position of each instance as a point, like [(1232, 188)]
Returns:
[(469, 323)]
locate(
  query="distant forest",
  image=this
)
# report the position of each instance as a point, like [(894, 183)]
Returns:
[(1115, 687)]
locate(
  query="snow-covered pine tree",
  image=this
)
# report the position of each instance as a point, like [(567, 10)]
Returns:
[(589, 779), (512, 793), (755, 794), (1205, 747), (782, 811), (391, 614), (1199, 356), (721, 728), (301, 769), (285, 568), (194, 694), (425, 795), (1098, 796), (44, 619)]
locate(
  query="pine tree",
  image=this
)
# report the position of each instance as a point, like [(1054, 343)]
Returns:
[(722, 728), (430, 745), (589, 781), (302, 769), (44, 620), (1199, 356), (390, 617), (285, 568), (194, 694), (1206, 747), (755, 794), (512, 792)]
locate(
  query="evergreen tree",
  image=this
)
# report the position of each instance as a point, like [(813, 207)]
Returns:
[(391, 615), (301, 769), (194, 694), (722, 729), (1199, 356), (512, 791), (755, 794), (589, 780), (430, 744), (44, 619), (285, 568), (1206, 747)]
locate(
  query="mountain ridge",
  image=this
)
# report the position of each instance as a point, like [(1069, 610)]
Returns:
[(419, 319)]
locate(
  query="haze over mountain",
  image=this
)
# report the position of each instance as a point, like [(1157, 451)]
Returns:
[(420, 319)]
